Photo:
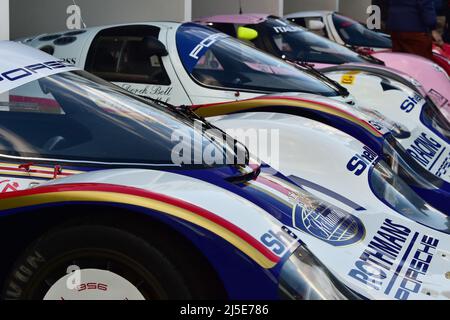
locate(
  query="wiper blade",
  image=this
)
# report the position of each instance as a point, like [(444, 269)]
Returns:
[(308, 67), (364, 54), (189, 113)]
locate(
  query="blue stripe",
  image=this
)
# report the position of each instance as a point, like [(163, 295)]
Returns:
[(402, 262), (328, 192)]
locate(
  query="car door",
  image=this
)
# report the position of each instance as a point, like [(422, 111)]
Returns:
[(122, 55), (25, 123)]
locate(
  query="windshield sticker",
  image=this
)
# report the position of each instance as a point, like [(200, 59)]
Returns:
[(395, 261), (193, 42), (18, 76), (198, 52)]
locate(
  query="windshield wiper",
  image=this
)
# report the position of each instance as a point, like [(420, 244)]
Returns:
[(308, 67), (365, 55), (189, 113)]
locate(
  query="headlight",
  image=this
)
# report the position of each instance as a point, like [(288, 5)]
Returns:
[(304, 277)]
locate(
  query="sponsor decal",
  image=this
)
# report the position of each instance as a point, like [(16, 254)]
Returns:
[(327, 223), (409, 104), (27, 71), (359, 163), (286, 29), (70, 60), (444, 168), (161, 93), (205, 44), (426, 151), (279, 242), (383, 257)]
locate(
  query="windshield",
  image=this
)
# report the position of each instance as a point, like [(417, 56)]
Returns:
[(392, 190), (355, 34), (219, 61), (289, 40), (75, 116), (435, 120)]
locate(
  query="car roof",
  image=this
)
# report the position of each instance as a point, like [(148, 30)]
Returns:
[(159, 24), (312, 13), (250, 18)]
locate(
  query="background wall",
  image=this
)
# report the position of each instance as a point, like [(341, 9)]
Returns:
[(291, 6), (202, 8), (355, 8), (4, 19), (41, 16)]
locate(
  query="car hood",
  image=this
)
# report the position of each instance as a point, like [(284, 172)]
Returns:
[(377, 253)]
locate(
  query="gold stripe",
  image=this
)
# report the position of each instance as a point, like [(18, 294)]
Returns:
[(100, 196), (226, 108)]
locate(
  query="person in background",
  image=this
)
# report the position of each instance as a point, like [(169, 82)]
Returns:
[(447, 23), (412, 24), (384, 5)]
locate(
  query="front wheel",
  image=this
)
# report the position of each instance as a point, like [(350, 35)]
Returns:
[(95, 262)]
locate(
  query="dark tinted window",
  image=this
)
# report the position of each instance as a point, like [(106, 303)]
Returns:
[(120, 55), (283, 38), (75, 116), (217, 60), (355, 34), (227, 28)]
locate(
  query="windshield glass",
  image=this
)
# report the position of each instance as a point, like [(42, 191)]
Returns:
[(392, 190), (287, 39), (219, 61), (78, 117), (355, 34), (435, 120)]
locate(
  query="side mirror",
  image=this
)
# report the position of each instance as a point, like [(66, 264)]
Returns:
[(155, 46), (316, 25), (247, 34)]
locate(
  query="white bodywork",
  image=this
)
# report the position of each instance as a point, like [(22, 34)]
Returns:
[(365, 87), (417, 268)]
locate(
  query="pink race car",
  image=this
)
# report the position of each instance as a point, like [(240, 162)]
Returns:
[(351, 33), (293, 43)]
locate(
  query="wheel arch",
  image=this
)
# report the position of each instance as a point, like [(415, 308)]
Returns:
[(21, 229)]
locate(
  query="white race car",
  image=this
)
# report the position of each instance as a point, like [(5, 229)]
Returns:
[(93, 206), (193, 64)]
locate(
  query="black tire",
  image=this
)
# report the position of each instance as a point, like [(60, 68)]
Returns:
[(150, 265)]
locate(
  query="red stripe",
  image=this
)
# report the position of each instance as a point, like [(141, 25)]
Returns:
[(34, 171), (41, 101), (291, 99), (274, 186), (151, 195)]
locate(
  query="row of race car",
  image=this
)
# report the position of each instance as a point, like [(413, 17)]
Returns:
[(356, 207)]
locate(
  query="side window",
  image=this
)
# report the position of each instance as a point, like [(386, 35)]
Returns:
[(120, 55), (321, 32), (227, 28), (105, 57), (300, 21), (138, 64)]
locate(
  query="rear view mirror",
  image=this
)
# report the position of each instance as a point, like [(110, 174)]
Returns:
[(316, 25), (155, 47), (247, 34)]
